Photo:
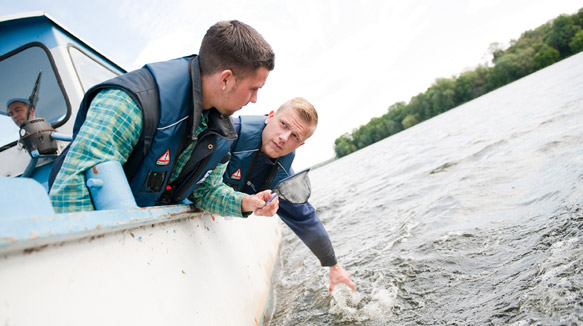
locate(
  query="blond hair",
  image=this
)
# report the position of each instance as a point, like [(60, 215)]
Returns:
[(305, 110)]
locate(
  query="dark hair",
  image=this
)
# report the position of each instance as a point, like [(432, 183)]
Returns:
[(236, 46)]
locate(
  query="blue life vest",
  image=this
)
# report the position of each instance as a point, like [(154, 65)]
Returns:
[(244, 153), (170, 96)]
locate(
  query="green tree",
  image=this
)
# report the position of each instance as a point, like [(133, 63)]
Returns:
[(410, 121), (442, 95), (546, 56), (561, 33), (578, 18), (495, 49), (391, 126), (363, 136), (480, 78), (417, 105), (343, 145), (576, 44), (510, 67), (397, 112), (464, 86)]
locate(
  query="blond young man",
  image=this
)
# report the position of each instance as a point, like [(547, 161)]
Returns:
[(262, 156)]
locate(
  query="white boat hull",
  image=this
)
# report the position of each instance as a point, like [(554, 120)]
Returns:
[(188, 271)]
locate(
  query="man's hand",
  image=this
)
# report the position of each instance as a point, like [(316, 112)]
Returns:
[(339, 275), (256, 204)]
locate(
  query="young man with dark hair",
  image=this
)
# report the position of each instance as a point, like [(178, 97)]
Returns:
[(168, 124)]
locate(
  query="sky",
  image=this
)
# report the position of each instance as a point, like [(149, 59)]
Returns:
[(351, 59)]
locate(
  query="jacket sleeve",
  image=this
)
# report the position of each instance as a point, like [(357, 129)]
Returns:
[(302, 219), (109, 133), (216, 197)]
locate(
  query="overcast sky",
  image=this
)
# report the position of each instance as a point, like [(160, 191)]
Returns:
[(351, 59)]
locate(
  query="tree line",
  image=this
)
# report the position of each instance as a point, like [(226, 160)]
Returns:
[(535, 49)]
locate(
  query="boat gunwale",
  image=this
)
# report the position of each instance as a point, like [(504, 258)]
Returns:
[(27, 233)]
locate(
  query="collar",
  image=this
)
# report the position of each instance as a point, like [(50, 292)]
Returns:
[(194, 72)]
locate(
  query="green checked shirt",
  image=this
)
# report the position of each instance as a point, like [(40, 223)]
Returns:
[(110, 132)]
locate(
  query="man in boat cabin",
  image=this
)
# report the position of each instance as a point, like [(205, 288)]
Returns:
[(17, 109), (262, 156), (168, 125)]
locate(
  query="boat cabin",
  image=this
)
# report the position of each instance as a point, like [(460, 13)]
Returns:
[(43, 62)]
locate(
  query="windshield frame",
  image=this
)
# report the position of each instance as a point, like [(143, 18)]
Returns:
[(59, 84)]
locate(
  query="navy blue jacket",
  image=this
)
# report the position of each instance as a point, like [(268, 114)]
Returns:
[(301, 218), (169, 96)]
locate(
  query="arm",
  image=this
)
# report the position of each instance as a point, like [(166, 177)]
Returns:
[(302, 220), (216, 197), (111, 130), (307, 226)]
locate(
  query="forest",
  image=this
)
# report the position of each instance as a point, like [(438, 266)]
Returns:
[(535, 49)]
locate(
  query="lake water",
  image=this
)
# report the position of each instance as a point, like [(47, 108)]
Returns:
[(474, 217)]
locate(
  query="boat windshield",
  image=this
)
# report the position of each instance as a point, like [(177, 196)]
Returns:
[(28, 74), (89, 71)]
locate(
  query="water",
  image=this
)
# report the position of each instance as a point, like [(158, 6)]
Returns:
[(474, 217)]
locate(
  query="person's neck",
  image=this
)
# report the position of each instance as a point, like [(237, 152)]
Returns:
[(208, 92)]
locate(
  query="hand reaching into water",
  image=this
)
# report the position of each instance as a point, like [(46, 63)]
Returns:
[(339, 275)]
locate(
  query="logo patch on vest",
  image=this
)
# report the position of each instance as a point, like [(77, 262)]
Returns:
[(164, 159), (236, 175)]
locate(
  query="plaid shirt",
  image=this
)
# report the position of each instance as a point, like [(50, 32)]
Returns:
[(110, 132)]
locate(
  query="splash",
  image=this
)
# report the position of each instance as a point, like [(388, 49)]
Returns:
[(364, 305)]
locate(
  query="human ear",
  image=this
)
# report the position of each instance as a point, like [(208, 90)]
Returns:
[(270, 116), (226, 76)]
